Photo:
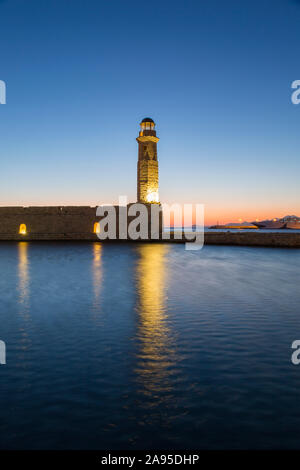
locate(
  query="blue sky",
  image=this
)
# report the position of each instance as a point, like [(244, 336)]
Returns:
[(214, 75)]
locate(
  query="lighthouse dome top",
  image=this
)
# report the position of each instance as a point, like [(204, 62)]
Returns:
[(147, 119)]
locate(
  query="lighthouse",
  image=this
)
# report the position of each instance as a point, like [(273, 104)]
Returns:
[(147, 167)]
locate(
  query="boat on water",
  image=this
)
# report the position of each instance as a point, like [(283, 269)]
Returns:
[(288, 222)]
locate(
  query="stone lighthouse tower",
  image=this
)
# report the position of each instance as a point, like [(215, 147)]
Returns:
[(147, 168)]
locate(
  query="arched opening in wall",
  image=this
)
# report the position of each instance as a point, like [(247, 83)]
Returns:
[(22, 229), (96, 227)]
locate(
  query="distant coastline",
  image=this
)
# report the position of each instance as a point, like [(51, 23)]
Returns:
[(289, 222)]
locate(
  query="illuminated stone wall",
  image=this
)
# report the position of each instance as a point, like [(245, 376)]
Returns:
[(77, 223), (57, 222), (54, 222)]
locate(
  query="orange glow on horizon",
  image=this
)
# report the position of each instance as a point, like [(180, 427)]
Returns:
[(214, 213), (223, 214)]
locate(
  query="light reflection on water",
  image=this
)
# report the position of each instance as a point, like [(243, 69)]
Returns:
[(23, 300), (23, 288), (97, 274), (156, 353), (148, 346)]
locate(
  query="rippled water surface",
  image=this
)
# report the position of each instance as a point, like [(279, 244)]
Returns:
[(148, 346)]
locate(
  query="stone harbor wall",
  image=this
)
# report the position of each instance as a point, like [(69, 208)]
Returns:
[(55, 222), (78, 223), (254, 238), (47, 223)]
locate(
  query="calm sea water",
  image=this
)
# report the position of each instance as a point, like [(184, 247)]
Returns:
[(148, 346)]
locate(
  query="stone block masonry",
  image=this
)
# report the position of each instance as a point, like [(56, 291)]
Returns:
[(48, 223), (55, 223), (78, 223)]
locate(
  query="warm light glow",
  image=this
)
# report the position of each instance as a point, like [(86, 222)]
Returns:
[(96, 227), (23, 270), (147, 125), (152, 197), (22, 229), (97, 277), (157, 351)]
